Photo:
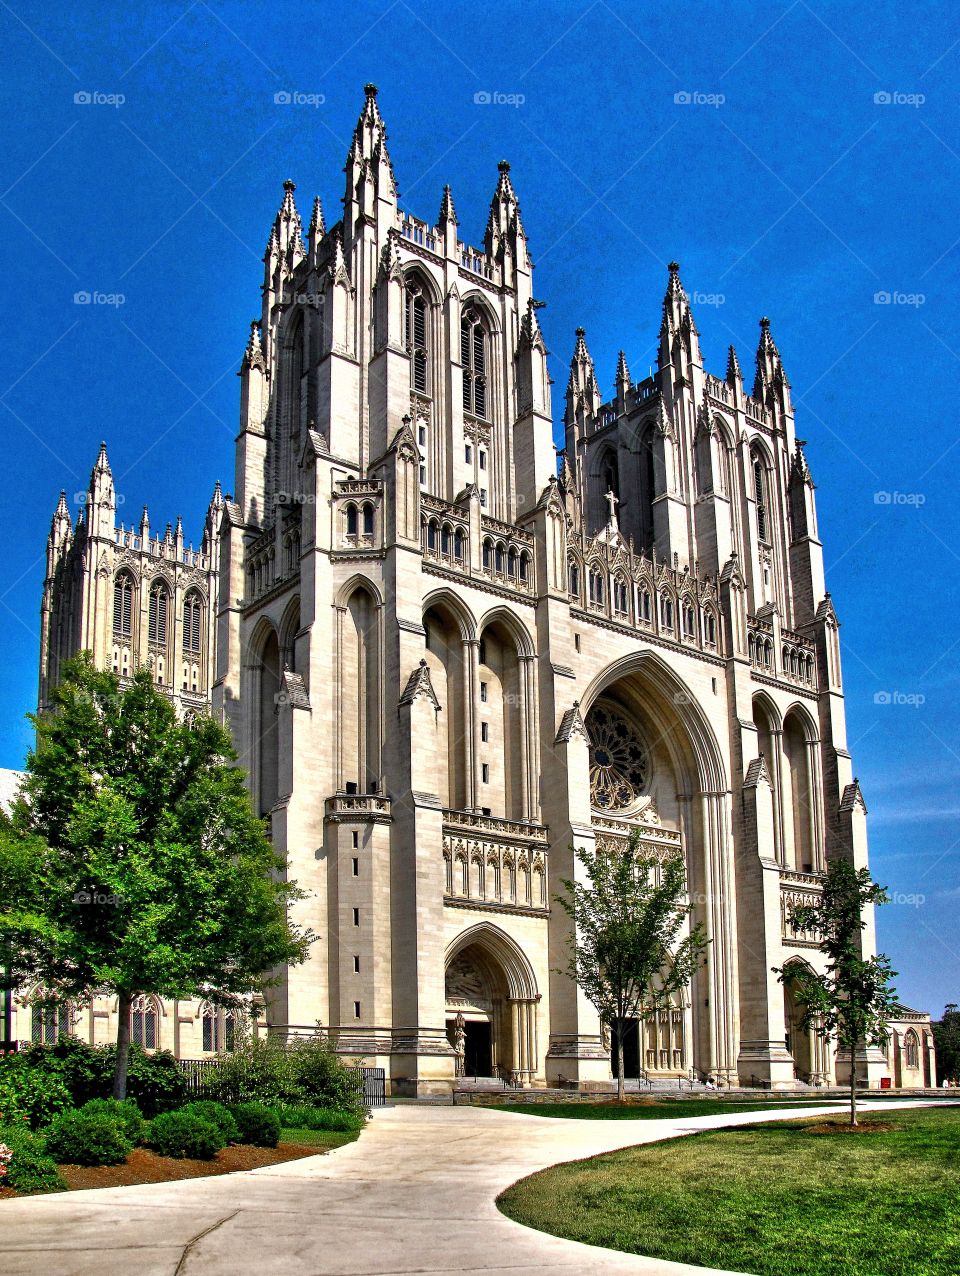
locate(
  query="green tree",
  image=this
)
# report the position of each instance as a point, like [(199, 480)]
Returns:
[(853, 1000), (946, 1038), (133, 862), (628, 956)]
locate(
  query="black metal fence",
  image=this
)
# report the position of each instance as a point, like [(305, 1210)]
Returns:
[(370, 1081)]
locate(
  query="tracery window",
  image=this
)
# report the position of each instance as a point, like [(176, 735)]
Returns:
[(219, 1029), (48, 1021), (123, 605), (596, 588), (143, 1022), (911, 1048), (473, 356), (619, 761)]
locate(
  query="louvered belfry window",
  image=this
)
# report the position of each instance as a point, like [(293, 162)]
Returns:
[(416, 338), (123, 606), (473, 355), (192, 621), (158, 614)]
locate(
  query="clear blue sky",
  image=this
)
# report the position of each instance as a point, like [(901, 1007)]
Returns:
[(798, 195)]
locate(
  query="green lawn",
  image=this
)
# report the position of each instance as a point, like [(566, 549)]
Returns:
[(322, 1140), (776, 1199), (656, 1110)]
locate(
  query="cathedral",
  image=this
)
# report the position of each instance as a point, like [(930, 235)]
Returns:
[(448, 655)]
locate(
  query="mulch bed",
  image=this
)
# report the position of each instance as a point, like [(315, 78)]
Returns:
[(144, 1166), (844, 1127)]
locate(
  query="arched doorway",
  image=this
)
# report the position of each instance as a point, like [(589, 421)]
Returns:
[(491, 1006), (655, 766)]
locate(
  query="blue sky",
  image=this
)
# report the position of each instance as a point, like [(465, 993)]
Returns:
[(811, 162)]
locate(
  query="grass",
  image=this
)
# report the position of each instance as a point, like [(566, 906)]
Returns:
[(653, 1109), (322, 1140), (801, 1198)]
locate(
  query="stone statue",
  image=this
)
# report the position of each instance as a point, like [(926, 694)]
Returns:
[(460, 1044)]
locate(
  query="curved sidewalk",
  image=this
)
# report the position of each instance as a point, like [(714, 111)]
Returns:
[(415, 1194)]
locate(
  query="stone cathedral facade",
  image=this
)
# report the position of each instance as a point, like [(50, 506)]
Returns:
[(446, 655)]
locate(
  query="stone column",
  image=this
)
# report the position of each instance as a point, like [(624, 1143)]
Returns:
[(776, 778), (470, 654)]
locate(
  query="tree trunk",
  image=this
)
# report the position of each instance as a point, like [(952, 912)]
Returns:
[(853, 1082), (124, 1004), (621, 1088)]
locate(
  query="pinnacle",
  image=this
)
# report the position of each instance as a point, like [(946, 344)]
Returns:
[(447, 211), (316, 220), (623, 372), (733, 366)]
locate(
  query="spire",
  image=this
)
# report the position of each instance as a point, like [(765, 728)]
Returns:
[(530, 333), (253, 355), (103, 464), (62, 510), (678, 331), (217, 499), (316, 230), (734, 375), (447, 211), (800, 469), (285, 248), (368, 154), (583, 393), (770, 386), (144, 527), (623, 372), (504, 226)]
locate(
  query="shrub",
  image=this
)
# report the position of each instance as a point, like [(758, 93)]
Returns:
[(125, 1113), (30, 1092), (305, 1117), (87, 1138), (216, 1114), (154, 1081), (27, 1167), (305, 1071), (184, 1134), (257, 1124)]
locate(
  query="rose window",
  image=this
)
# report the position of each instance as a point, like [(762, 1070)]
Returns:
[(619, 762)]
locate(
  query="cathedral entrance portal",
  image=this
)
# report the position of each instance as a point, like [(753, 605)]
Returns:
[(491, 1007)]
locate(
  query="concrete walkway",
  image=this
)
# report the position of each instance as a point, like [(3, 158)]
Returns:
[(415, 1194)]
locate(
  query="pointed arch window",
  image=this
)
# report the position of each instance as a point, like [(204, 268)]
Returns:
[(573, 574), (760, 496), (644, 604), (192, 622), (219, 1029), (49, 1020), (473, 356), (912, 1049), (144, 1022), (596, 588), (666, 611), (621, 597), (415, 337), (159, 606), (123, 605)]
